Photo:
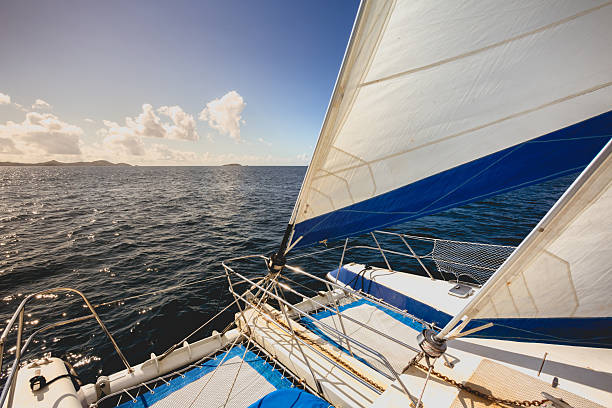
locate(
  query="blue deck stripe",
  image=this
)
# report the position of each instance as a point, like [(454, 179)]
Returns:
[(587, 332), (397, 316), (556, 154), (257, 363)]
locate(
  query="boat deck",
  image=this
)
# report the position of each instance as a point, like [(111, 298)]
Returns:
[(235, 378), (377, 317), (307, 354), (530, 367), (404, 290)]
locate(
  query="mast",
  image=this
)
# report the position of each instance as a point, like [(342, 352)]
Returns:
[(277, 260)]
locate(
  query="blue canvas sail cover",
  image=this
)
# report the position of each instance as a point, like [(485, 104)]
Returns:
[(439, 104), (291, 398)]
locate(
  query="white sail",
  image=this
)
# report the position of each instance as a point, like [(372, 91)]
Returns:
[(562, 271), (442, 102)]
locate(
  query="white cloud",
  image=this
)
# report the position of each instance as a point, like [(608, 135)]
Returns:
[(135, 151), (184, 125), (40, 104), (89, 120), (129, 138), (224, 114), (20, 107), (45, 133), (146, 124), (121, 139), (163, 152)]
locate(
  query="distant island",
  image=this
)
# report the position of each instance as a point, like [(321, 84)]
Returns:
[(55, 163), (232, 165)]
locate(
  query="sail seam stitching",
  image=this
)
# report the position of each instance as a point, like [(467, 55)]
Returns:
[(357, 158), (339, 121), (346, 183), (474, 129), (332, 121), (488, 47)]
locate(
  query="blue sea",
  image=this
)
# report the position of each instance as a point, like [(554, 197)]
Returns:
[(117, 232)]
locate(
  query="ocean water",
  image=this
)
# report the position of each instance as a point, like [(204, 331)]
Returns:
[(116, 232)]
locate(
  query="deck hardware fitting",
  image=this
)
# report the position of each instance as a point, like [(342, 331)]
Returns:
[(542, 365)]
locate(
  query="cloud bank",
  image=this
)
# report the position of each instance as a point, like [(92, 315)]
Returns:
[(128, 138), (42, 133), (224, 115), (184, 125), (7, 146), (149, 138)]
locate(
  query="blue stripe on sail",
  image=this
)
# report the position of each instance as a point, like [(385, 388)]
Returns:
[(556, 154), (586, 332)]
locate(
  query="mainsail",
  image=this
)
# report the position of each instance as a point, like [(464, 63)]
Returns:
[(441, 103), (556, 286)]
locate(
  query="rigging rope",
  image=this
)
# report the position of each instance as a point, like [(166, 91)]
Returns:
[(226, 354), (337, 358)]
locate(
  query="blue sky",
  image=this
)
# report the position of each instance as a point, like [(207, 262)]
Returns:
[(167, 83)]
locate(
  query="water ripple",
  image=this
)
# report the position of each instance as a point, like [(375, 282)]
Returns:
[(118, 232)]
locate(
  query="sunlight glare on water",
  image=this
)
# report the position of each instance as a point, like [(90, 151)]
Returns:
[(115, 232)]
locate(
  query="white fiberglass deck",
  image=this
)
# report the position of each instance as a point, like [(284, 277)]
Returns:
[(337, 386), (419, 288), (385, 321), (580, 371)]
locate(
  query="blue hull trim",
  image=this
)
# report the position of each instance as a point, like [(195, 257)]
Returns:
[(586, 332), (556, 154)]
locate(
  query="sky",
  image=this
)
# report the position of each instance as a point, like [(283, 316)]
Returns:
[(168, 82)]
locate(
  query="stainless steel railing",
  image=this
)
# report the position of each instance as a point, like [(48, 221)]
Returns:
[(9, 387), (21, 346), (476, 261), (276, 291)]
